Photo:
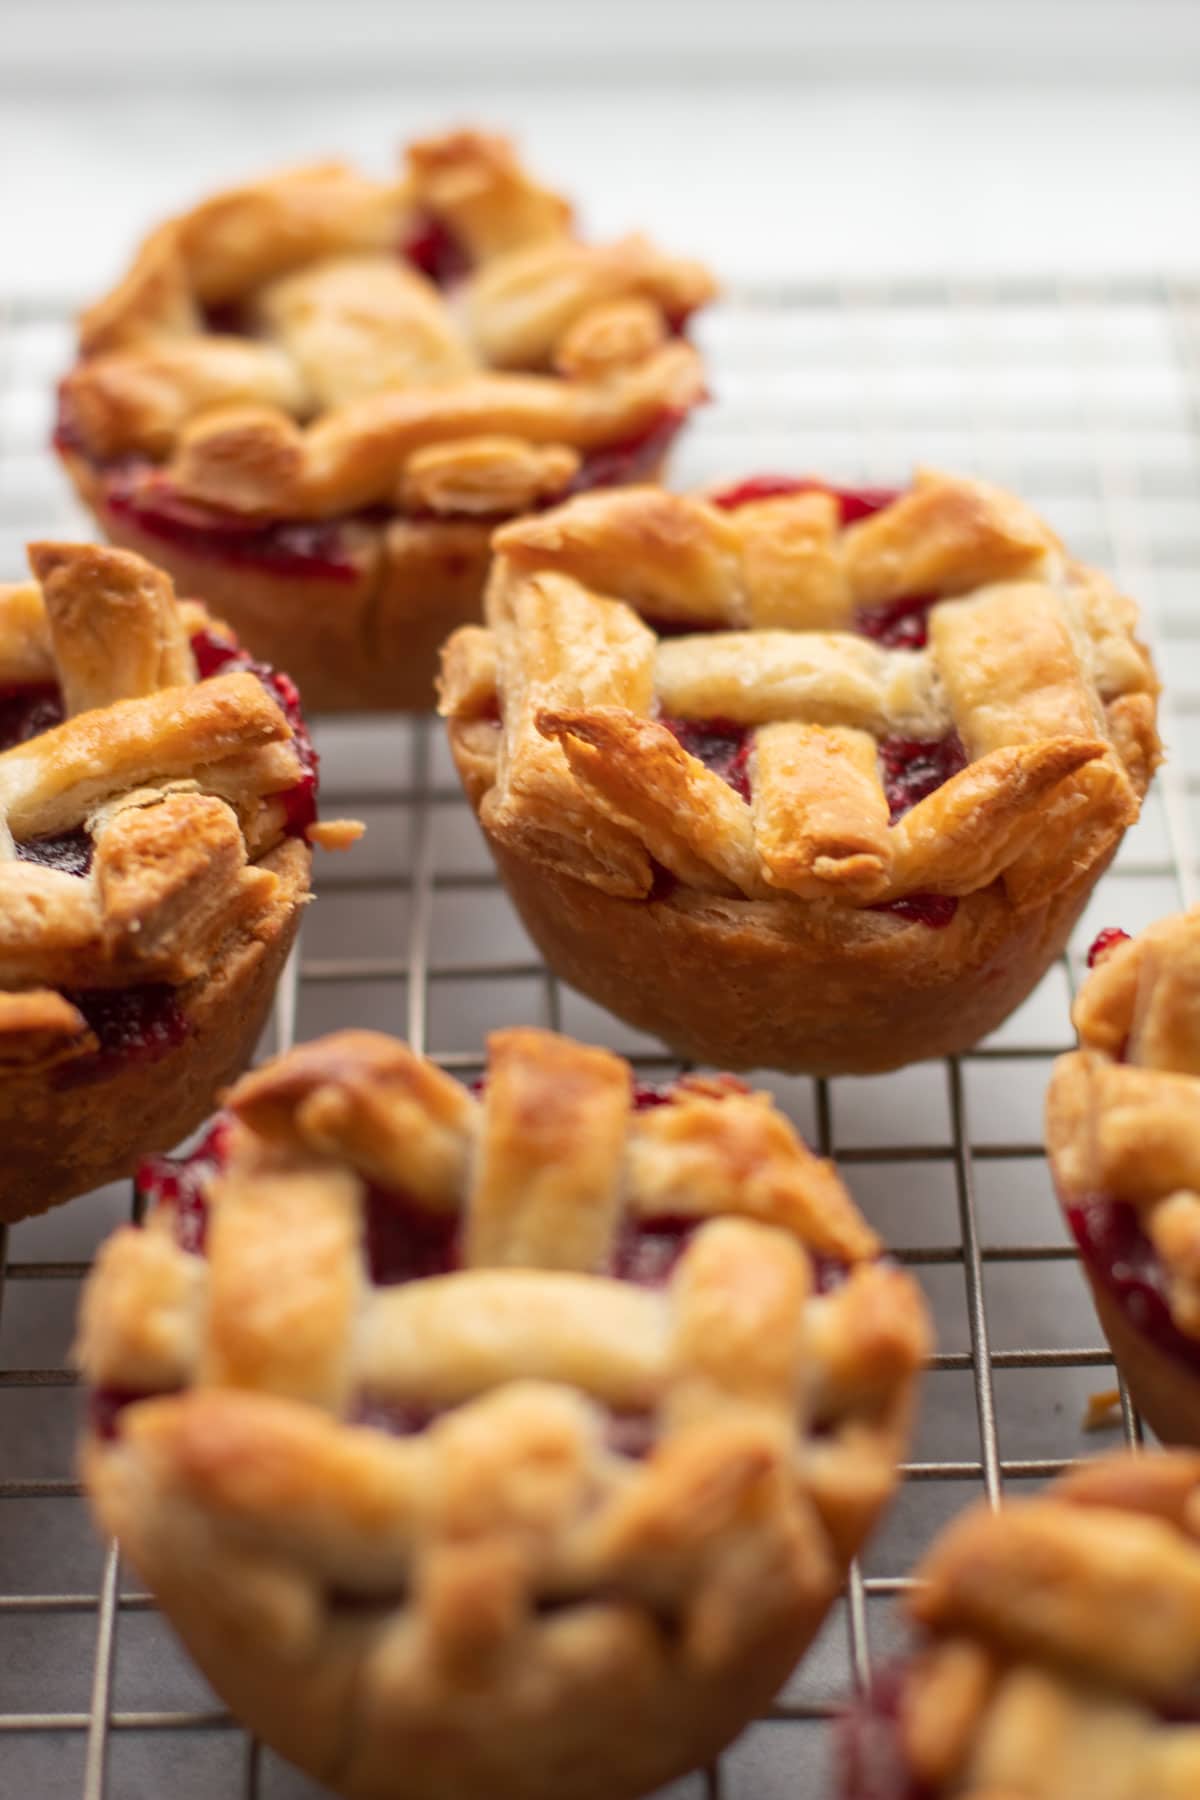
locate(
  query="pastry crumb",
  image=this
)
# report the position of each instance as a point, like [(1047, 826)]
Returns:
[(335, 834), (1103, 1410)]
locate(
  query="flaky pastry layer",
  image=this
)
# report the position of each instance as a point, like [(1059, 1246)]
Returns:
[(362, 1595), (622, 622), (1062, 1642)]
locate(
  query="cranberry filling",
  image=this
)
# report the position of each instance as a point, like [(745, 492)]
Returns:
[(104, 1409), (1121, 1258), (437, 251), (68, 851), (227, 318), (720, 745), (131, 1024), (397, 1417), (405, 1242), (869, 1757), (182, 1182), (1105, 941), (915, 767), (645, 1096), (215, 656), (312, 548), (631, 1434), (911, 767), (935, 910), (899, 624), (855, 502), (27, 711)]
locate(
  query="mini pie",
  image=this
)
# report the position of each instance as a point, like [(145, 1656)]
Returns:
[(157, 801), (1123, 1133), (796, 776), (1059, 1656), (311, 399), (508, 1443)]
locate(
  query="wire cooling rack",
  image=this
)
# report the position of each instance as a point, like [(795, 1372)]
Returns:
[(1085, 398)]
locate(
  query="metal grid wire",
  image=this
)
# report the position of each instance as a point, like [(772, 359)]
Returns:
[(1085, 398)]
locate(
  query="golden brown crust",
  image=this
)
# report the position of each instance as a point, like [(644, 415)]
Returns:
[(367, 640), (190, 886), (480, 1602), (1031, 677), (1123, 1125), (1062, 1645), (807, 991), (364, 387), (65, 1136)]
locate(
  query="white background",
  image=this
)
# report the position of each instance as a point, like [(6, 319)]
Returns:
[(846, 137)]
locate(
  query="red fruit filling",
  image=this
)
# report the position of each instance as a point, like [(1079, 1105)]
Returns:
[(913, 768), (1105, 941), (406, 1242), (104, 1409), (228, 318), (27, 711), (131, 1024), (217, 656), (720, 745), (1122, 1260), (397, 1417), (899, 624), (181, 1182), (68, 851), (869, 1757), (855, 502), (437, 251), (646, 1096), (311, 548), (935, 910)]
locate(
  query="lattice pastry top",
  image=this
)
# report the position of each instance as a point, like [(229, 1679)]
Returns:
[(502, 1352), (149, 774), (1064, 1653), (790, 692), (318, 342), (1123, 1111)]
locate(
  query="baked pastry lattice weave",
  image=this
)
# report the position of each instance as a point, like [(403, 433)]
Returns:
[(795, 776), (311, 399), (509, 1444)]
